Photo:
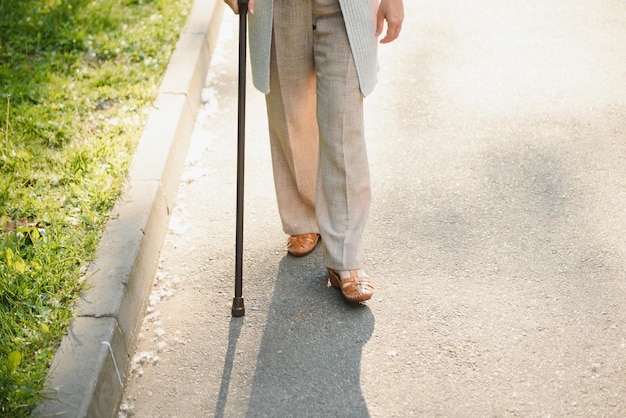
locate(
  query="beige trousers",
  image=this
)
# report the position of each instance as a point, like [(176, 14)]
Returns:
[(315, 114)]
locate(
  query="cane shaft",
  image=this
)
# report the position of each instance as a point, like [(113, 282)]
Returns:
[(238, 305)]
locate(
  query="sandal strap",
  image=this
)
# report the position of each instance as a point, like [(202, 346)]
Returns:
[(356, 286), (303, 244)]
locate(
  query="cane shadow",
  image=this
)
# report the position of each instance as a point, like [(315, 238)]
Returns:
[(309, 361), (234, 331)]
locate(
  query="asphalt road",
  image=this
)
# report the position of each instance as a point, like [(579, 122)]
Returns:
[(497, 237)]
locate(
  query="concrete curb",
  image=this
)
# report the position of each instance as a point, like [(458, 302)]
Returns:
[(87, 374)]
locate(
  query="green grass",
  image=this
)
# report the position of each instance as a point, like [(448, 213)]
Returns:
[(77, 78)]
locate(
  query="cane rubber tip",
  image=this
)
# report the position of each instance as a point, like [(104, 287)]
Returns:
[(238, 307)]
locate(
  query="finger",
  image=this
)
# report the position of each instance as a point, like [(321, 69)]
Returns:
[(393, 31), (233, 5), (380, 23), (251, 6)]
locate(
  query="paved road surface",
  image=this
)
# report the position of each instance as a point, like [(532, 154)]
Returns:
[(497, 236)]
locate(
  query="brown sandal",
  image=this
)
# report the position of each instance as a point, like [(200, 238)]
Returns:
[(356, 286), (303, 244)]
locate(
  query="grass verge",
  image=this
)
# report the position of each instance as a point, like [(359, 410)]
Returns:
[(76, 80)]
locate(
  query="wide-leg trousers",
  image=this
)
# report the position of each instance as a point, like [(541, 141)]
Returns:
[(315, 114)]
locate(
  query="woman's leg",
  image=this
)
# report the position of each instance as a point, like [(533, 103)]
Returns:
[(291, 106), (343, 189)]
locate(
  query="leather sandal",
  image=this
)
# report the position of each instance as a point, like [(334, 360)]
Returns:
[(355, 285), (303, 244)]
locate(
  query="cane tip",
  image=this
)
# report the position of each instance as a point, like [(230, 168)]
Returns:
[(238, 307)]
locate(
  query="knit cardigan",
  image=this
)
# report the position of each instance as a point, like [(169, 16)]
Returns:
[(360, 19)]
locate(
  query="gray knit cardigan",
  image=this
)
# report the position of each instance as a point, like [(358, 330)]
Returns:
[(360, 18)]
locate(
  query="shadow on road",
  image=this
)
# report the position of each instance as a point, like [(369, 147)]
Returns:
[(309, 361), (233, 335)]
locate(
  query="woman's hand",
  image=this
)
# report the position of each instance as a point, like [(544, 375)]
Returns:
[(391, 11), (234, 5)]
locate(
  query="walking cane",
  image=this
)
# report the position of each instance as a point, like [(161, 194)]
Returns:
[(238, 306)]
